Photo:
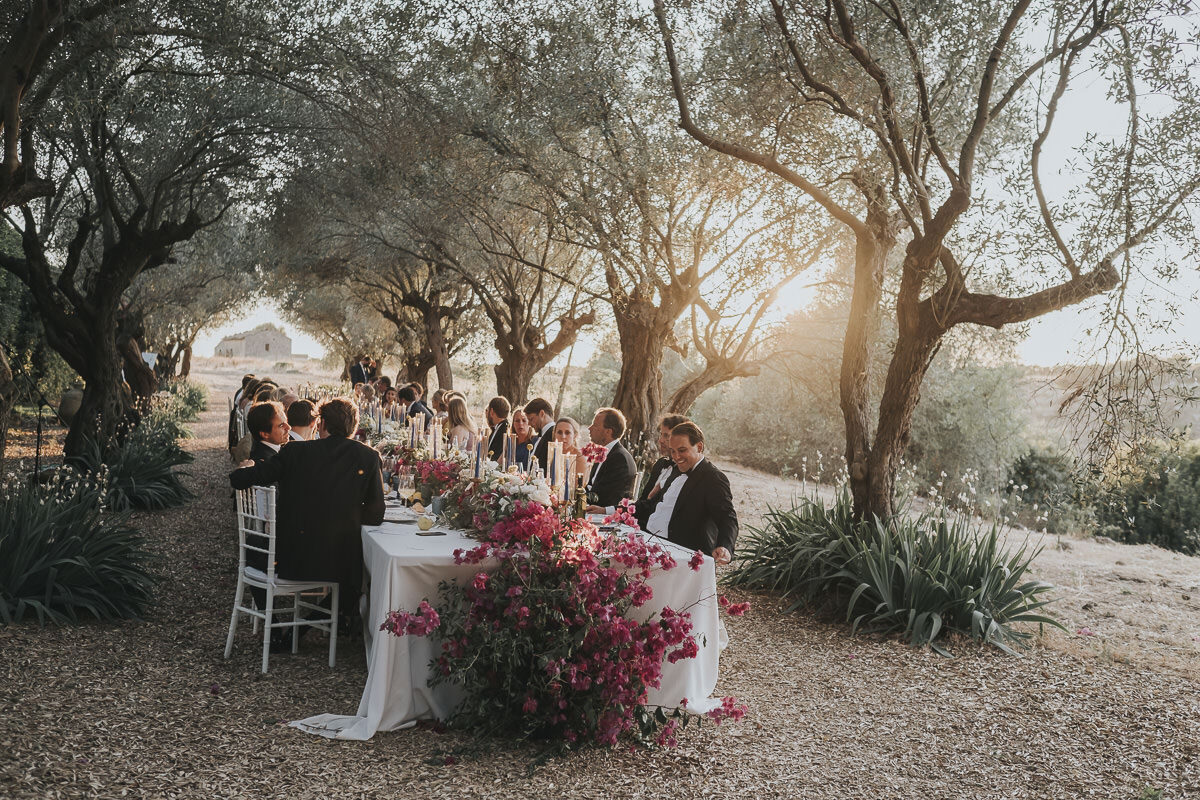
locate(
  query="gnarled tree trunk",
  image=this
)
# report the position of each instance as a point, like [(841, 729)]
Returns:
[(8, 398), (639, 388)]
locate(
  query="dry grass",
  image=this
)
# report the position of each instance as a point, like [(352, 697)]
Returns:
[(150, 709)]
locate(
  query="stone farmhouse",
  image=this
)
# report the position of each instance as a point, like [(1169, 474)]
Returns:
[(267, 341)]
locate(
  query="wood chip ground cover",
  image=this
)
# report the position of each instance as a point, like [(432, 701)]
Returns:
[(151, 709)]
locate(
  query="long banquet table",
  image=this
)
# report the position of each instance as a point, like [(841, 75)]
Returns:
[(405, 568)]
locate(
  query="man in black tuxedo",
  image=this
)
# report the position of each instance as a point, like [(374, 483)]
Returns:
[(267, 425), (541, 419), (408, 396), (653, 484), (358, 370), (612, 478), (695, 508), (328, 489), (497, 411)]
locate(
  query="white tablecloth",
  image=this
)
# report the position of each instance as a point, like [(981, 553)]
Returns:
[(405, 569)]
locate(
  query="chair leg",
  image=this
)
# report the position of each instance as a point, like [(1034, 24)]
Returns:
[(267, 620), (233, 620), (333, 626), (295, 619)]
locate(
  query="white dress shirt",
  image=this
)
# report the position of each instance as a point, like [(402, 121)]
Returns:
[(660, 520)]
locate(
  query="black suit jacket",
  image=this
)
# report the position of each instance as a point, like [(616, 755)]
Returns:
[(542, 447), (660, 466), (703, 518), (495, 445), (328, 489), (419, 407), (613, 478), (260, 452), (357, 374)]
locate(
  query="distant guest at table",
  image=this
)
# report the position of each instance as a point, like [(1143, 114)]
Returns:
[(462, 428), (302, 419), (496, 414), (328, 489), (661, 470), (566, 433), (524, 433), (695, 508), (541, 419), (612, 479)]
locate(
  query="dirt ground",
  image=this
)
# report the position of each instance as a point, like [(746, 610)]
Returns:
[(150, 708)]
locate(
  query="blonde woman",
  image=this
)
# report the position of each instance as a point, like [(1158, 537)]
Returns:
[(566, 431), (462, 427)]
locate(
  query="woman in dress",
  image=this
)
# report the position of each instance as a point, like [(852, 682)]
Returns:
[(524, 433), (462, 428), (566, 431)]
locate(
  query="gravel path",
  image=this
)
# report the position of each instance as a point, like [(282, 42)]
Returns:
[(150, 708)]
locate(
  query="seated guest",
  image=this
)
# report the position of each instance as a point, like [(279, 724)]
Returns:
[(390, 397), (288, 398), (662, 468), (524, 433), (612, 478), (247, 379), (462, 427), (541, 418), (382, 384), (368, 394), (566, 432), (417, 405), (409, 398), (695, 507), (437, 403), (496, 414), (268, 428), (302, 419), (328, 489)]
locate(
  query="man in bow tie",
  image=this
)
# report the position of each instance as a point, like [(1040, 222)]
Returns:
[(695, 506)]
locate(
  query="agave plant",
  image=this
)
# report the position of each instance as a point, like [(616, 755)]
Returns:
[(919, 577), (62, 554), (140, 468)]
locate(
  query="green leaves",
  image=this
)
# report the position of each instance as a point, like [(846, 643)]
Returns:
[(61, 556), (919, 577), (140, 470)]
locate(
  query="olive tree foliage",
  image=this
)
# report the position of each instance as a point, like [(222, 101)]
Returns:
[(341, 228), (501, 236), (206, 281), (567, 96), (334, 315), (921, 130)]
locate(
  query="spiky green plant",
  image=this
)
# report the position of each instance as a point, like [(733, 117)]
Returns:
[(63, 555), (919, 577)]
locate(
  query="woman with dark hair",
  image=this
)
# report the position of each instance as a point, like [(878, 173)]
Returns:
[(524, 434)]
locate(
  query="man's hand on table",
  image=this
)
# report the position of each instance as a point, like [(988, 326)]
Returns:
[(722, 555)]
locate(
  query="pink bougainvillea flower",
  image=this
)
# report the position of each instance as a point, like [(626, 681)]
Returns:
[(697, 561)]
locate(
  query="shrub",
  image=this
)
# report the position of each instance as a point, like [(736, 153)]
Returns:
[(140, 468), (1156, 501), (62, 554), (919, 577), (1043, 487), (191, 397)]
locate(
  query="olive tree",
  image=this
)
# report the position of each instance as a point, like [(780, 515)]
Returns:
[(921, 131)]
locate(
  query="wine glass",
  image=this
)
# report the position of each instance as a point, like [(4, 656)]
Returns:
[(407, 486)]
